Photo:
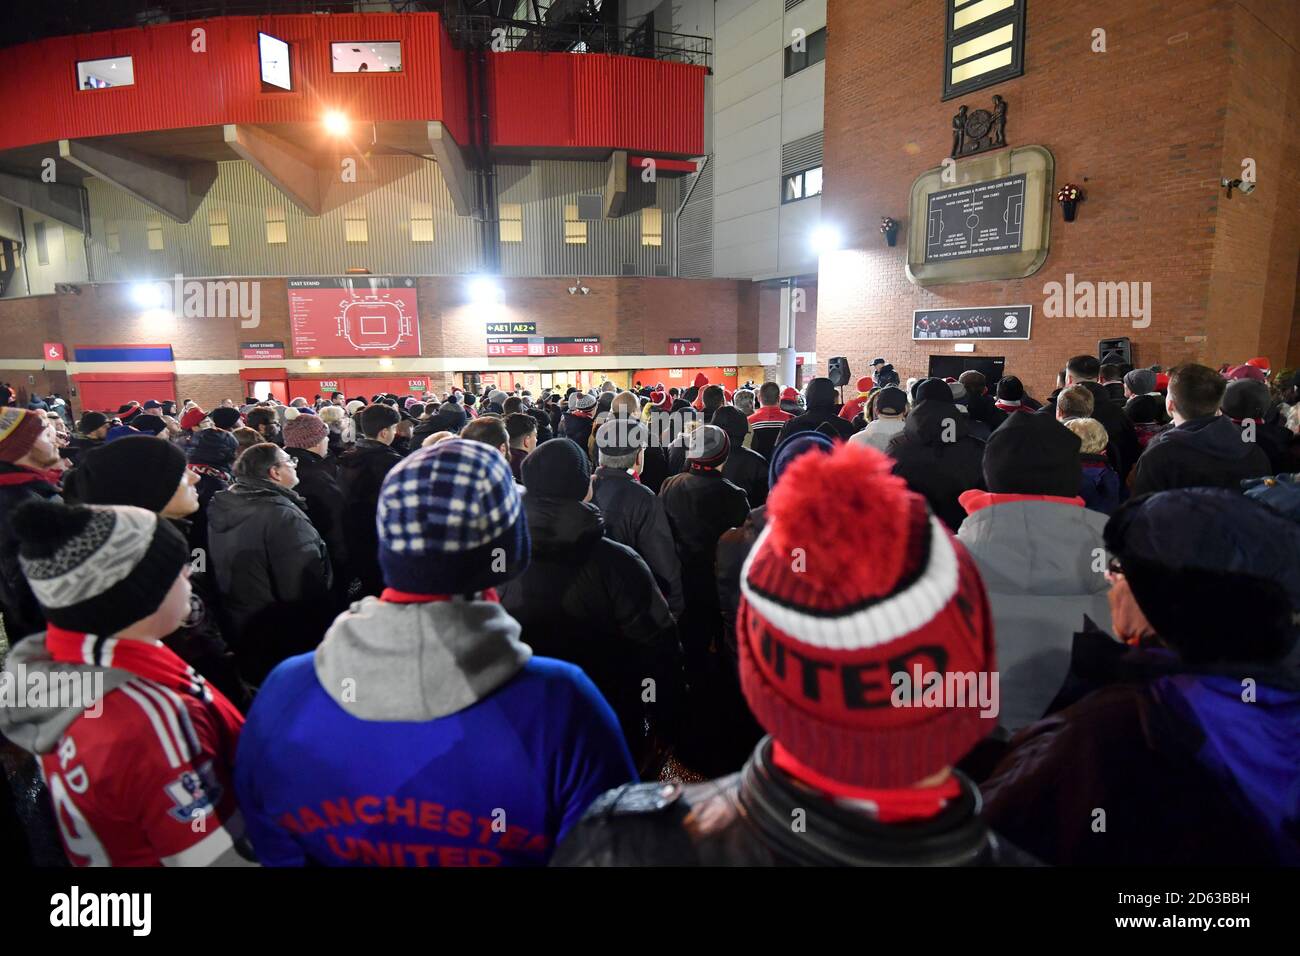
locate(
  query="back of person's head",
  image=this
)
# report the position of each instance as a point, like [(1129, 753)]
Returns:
[(1140, 381), (690, 394), (1196, 390), (1075, 402), (820, 393), (1060, 378), (1092, 434), (256, 461), (714, 397), (1083, 368), (1113, 372), (246, 436), (769, 394), (1011, 389), (415, 409), (619, 441), (519, 425), (857, 617), (890, 402), (512, 404), (732, 421), (974, 381), (603, 402), (487, 429), (1245, 399), (625, 404), (557, 469), (1196, 564), (373, 419), (261, 417), (744, 400), (1032, 455), (332, 415)]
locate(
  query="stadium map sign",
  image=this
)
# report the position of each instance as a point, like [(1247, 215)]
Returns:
[(354, 316)]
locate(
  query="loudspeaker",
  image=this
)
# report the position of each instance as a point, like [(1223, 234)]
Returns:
[(838, 371), (1123, 346)]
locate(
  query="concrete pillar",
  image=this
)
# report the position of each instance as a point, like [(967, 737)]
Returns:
[(785, 342)]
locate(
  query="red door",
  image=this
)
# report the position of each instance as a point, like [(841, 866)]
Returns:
[(109, 391)]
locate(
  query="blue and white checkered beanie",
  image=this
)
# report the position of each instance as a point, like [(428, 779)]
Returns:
[(450, 521)]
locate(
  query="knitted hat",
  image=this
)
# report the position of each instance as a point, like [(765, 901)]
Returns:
[(214, 447), (496, 396), (933, 389), (19, 429), (789, 394), (865, 384), (139, 471), (620, 437), (149, 424), (578, 401), (97, 569), (1032, 455), (708, 449), (661, 400), (450, 521), (1245, 398), (794, 446), (557, 469), (1011, 389), (128, 411), (190, 420), (1246, 372), (305, 431), (91, 421), (1140, 381), (891, 400), (732, 421), (227, 418), (830, 645)]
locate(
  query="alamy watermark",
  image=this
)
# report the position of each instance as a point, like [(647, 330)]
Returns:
[(209, 299), (1098, 300), (80, 690)]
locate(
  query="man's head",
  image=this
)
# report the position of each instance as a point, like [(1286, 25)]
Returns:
[(1195, 391), (974, 381), (1010, 389), (93, 425), (769, 394), (27, 439), (268, 461), (225, 418), (153, 407), (891, 402), (1140, 381), (621, 442), (732, 421), (139, 471), (1075, 401), (625, 405), (264, 420), (820, 393), (713, 398), (1082, 368), (1112, 372), (744, 401), (511, 405), (522, 429), (558, 469), (491, 431), (246, 437), (1245, 399), (379, 423)]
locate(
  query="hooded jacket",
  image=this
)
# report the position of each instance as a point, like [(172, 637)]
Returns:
[(361, 474), (1038, 558), (744, 468), (18, 485), (937, 469), (1099, 485), (410, 730), (822, 399), (635, 516), (577, 426), (1201, 452), (272, 572), (744, 820), (589, 600)]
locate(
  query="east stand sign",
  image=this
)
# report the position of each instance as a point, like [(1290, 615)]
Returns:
[(993, 322)]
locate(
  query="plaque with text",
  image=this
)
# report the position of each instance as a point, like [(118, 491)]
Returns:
[(992, 322), (981, 219), (538, 346)]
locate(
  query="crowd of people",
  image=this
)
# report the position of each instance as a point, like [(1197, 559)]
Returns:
[(938, 623)]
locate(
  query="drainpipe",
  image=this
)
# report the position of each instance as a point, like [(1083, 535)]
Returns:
[(678, 215)]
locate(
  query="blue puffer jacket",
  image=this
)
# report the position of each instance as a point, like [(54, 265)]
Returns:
[(1281, 493)]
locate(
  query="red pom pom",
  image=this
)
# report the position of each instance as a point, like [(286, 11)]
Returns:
[(848, 513)]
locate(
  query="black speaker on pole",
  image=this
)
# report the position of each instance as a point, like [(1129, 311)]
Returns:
[(1123, 347), (838, 371)]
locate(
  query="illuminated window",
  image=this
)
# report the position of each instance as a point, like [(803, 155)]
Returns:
[(575, 230), (801, 185), (276, 230), (218, 227), (985, 44), (366, 57), (273, 53), (354, 224), (422, 222), (104, 74), (512, 222), (153, 232), (652, 226), (112, 235)]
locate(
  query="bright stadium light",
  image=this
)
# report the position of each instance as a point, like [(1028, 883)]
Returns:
[(484, 291), (148, 295), (826, 239), (336, 124)]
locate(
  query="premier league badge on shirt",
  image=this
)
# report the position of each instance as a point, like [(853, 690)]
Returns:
[(194, 793)]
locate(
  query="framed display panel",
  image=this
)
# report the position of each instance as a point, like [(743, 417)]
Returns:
[(1019, 184)]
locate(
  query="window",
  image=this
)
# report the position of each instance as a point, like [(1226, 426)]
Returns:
[(153, 232), (652, 226), (219, 227), (42, 244), (276, 230), (422, 222), (103, 74), (354, 225), (575, 230), (273, 53), (802, 185), (366, 57), (112, 235), (512, 222), (811, 49), (985, 44)]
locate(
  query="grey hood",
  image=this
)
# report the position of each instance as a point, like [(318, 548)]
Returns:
[(418, 662), (32, 722)]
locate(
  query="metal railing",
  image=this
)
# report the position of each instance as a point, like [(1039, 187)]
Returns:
[(504, 35)]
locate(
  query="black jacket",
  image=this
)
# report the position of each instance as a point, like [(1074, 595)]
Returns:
[(634, 516), (212, 479), (78, 445), (1123, 449), (821, 408), (938, 469), (544, 430), (747, 470), (272, 573), (589, 600), (577, 427), (318, 485), (1203, 452), (361, 473), (22, 614), (745, 820), (733, 549)]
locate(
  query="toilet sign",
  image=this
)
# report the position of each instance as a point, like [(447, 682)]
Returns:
[(53, 351)]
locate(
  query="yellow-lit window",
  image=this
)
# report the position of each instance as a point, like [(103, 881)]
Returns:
[(652, 226), (277, 230), (985, 44), (112, 235), (153, 232), (512, 222), (354, 225), (422, 222), (219, 227), (575, 230)]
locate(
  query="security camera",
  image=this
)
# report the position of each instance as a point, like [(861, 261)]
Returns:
[(1245, 187)]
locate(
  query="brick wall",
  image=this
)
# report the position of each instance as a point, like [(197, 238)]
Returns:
[(1186, 89)]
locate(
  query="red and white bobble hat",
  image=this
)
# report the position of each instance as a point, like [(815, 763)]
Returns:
[(852, 581)]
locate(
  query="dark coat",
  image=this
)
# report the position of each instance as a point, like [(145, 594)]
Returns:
[(747, 470), (940, 470), (361, 474), (212, 479), (592, 601), (22, 615), (634, 516), (272, 573), (78, 445), (744, 820), (544, 430), (821, 408), (733, 548), (1123, 449), (576, 427), (1203, 452), (318, 485)]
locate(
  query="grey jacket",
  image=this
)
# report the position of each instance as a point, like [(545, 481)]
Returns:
[(1042, 563)]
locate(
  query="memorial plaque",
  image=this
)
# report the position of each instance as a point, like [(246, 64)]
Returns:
[(992, 322), (982, 219)]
